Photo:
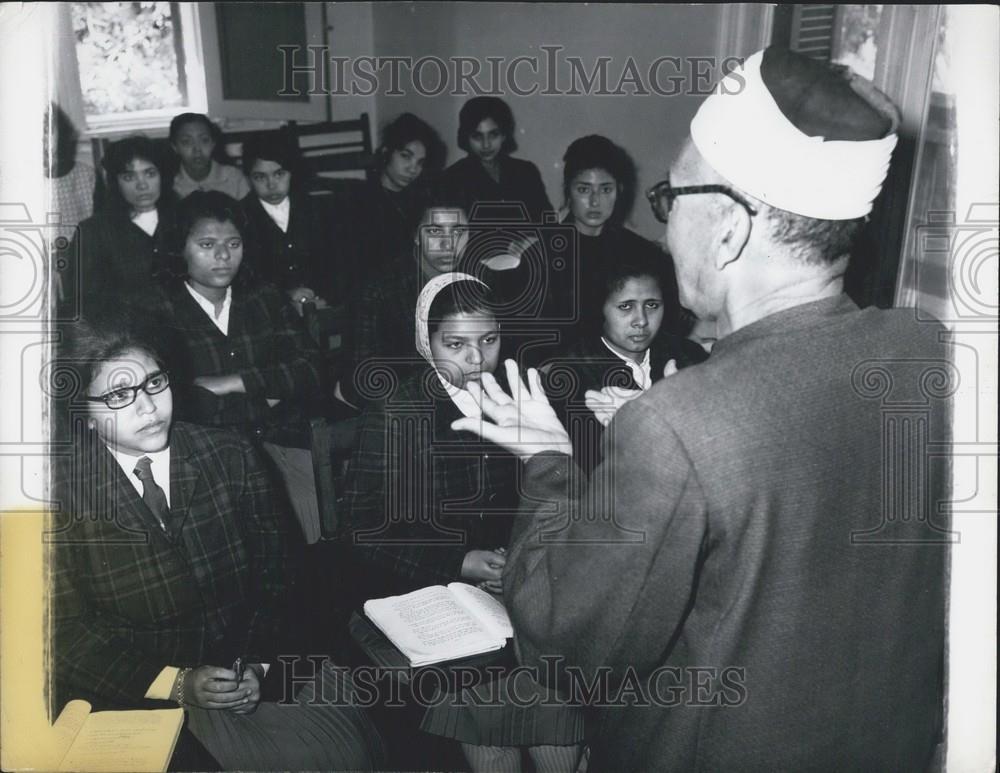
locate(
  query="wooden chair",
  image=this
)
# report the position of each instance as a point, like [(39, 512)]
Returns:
[(233, 141), (332, 434), (332, 147)]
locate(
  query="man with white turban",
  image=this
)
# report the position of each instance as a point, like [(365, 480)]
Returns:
[(755, 577)]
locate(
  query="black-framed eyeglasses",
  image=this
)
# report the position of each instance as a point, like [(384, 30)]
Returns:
[(661, 197), (123, 397)]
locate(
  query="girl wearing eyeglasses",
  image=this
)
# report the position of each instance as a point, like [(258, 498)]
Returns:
[(170, 563)]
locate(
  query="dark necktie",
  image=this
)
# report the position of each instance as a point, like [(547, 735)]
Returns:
[(152, 494)]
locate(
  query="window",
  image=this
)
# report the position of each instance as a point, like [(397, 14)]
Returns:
[(138, 63), (855, 36)]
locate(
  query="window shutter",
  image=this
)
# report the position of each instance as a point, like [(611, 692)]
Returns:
[(812, 30)]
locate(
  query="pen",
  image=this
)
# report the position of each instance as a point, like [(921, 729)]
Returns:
[(239, 667)]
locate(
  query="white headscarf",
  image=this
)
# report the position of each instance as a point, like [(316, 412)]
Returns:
[(462, 398)]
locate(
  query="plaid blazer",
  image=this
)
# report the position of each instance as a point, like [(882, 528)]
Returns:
[(382, 329), (267, 345), (129, 599), (419, 495)]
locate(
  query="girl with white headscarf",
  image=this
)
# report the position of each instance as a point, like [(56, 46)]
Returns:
[(399, 485), (429, 505)]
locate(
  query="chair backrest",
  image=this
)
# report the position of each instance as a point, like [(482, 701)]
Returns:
[(326, 326), (329, 148), (233, 141), (334, 147)]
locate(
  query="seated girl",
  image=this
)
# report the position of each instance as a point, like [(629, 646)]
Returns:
[(289, 240), (382, 310), (599, 182), (170, 563), (624, 350), (241, 356), (203, 163), (429, 505), (123, 245), (409, 154), (489, 175)]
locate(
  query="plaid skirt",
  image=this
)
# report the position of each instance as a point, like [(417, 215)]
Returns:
[(513, 710)]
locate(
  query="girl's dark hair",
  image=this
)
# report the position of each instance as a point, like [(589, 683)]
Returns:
[(106, 334), (122, 153), (405, 129), (219, 151), (274, 147), (63, 153), (597, 152), (463, 297), (477, 110), (613, 277), (202, 205), (178, 122)]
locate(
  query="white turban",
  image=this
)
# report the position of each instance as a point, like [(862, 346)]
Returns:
[(744, 135)]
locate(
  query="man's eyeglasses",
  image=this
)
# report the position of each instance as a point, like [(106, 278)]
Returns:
[(661, 197), (123, 397)]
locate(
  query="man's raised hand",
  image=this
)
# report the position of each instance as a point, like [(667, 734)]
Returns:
[(523, 422)]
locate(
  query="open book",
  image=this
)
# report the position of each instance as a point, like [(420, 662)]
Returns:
[(113, 741), (439, 623)]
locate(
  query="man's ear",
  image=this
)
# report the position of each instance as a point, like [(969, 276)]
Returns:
[(732, 235)]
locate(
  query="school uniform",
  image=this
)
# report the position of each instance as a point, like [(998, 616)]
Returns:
[(112, 257), (387, 222), (298, 252), (591, 364), (419, 497), (132, 596), (265, 343), (467, 183)]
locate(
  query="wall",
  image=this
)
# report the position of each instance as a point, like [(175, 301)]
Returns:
[(351, 34), (650, 127)]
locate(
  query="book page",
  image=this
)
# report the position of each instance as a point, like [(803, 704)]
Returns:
[(487, 608), (64, 730), (430, 626), (125, 741)]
